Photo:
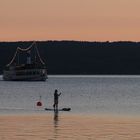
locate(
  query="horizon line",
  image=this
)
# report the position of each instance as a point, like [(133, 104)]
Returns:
[(107, 41)]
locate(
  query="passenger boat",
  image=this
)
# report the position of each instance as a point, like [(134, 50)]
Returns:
[(33, 69)]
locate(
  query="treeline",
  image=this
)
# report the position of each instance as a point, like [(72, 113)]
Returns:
[(77, 57)]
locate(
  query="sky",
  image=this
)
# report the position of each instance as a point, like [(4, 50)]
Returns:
[(83, 20)]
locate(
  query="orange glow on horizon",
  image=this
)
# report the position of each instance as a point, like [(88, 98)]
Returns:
[(91, 20)]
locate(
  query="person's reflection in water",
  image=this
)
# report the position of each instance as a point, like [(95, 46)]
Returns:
[(56, 118)]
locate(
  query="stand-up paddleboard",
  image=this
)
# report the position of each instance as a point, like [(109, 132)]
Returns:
[(63, 109)]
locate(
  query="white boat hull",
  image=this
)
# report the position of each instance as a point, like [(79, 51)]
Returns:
[(25, 75)]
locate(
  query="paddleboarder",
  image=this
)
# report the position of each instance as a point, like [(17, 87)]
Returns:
[(56, 97)]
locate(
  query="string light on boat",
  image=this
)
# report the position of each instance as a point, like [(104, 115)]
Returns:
[(27, 50)]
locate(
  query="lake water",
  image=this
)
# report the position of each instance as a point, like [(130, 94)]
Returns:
[(116, 95), (103, 108)]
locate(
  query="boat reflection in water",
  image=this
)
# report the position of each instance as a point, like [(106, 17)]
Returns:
[(32, 69)]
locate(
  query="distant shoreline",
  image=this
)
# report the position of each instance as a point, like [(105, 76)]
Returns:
[(81, 57)]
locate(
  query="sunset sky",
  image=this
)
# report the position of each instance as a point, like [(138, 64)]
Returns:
[(88, 20)]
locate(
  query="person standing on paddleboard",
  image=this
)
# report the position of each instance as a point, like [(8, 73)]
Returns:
[(56, 96)]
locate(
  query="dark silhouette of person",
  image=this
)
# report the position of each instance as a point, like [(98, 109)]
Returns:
[(56, 96)]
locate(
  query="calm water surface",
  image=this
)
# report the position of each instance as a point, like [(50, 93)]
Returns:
[(84, 94)]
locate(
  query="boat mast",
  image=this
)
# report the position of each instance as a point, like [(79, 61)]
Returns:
[(28, 57)]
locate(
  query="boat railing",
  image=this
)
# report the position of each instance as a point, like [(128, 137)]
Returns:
[(27, 72)]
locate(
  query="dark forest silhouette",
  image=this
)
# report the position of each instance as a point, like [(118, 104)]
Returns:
[(77, 57)]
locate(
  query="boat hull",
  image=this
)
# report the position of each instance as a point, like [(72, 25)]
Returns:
[(25, 75)]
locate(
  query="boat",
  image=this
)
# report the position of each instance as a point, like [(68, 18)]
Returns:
[(29, 68)]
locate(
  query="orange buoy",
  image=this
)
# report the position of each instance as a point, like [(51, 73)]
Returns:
[(39, 103)]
